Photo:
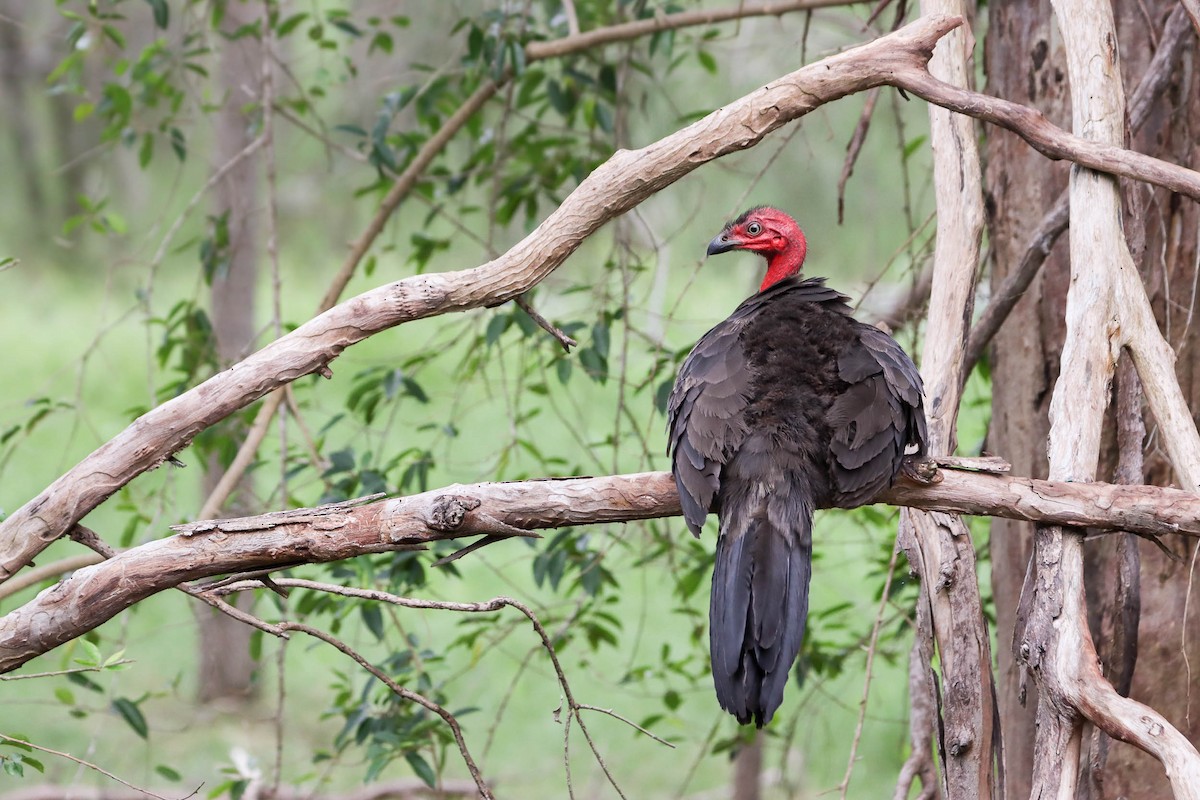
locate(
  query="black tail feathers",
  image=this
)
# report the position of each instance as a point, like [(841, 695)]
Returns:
[(759, 598)]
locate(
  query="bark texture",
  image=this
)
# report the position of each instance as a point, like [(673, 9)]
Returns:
[(939, 546), (1025, 363), (1162, 231), (95, 594)]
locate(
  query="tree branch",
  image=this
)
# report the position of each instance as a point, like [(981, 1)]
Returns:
[(95, 594), (1047, 138), (939, 546), (612, 189), (406, 181), (1154, 81)]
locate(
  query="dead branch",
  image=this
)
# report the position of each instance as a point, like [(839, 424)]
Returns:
[(665, 22), (406, 181), (613, 188), (398, 690), (938, 545), (495, 604), (95, 594), (1154, 81), (1047, 138)]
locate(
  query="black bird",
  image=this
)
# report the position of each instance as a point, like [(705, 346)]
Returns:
[(787, 406)]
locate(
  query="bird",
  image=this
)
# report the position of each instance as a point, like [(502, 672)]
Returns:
[(787, 406)]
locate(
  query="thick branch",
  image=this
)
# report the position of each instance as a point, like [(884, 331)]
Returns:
[(1157, 78), (1106, 303), (203, 549)]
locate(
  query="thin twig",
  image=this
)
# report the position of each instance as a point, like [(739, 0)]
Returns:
[(862, 705), (854, 148), (72, 671), (488, 606), (566, 341), (634, 725), (89, 765), (400, 691)]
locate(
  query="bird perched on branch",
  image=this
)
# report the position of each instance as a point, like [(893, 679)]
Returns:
[(787, 406)]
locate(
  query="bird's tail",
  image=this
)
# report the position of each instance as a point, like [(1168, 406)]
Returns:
[(759, 596)]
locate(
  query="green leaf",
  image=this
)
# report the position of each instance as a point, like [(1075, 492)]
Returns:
[(18, 741), (91, 657), (381, 41), (497, 325), (707, 61), (912, 145), (168, 773), (132, 715), (162, 12), (179, 144), (373, 618), (146, 151), (421, 767), (290, 24)]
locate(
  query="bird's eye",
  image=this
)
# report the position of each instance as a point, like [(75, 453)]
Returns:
[(754, 229)]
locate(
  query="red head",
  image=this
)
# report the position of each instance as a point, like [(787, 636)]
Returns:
[(772, 234)]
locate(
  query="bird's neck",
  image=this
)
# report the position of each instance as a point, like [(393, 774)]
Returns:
[(784, 265)]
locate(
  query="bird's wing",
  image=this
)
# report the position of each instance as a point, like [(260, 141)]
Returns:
[(705, 423), (876, 418)]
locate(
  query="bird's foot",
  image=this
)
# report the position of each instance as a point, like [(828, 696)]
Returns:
[(921, 470)]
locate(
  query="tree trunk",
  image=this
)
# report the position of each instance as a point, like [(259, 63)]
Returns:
[(1162, 232), (226, 668), (1021, 188), (747, 770)]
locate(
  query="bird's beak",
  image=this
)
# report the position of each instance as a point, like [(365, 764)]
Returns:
[(723, 243)]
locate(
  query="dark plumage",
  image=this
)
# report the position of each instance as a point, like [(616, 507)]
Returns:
[(788, 405)]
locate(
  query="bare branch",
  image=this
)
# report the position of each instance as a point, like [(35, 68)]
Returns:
[(82, 763), (665, 22), (1047, 138), (400, 691), (1106, 308), (1154, 81), (399, 789), (404, 184), (939, 546), (204, 549), (613, 188)]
